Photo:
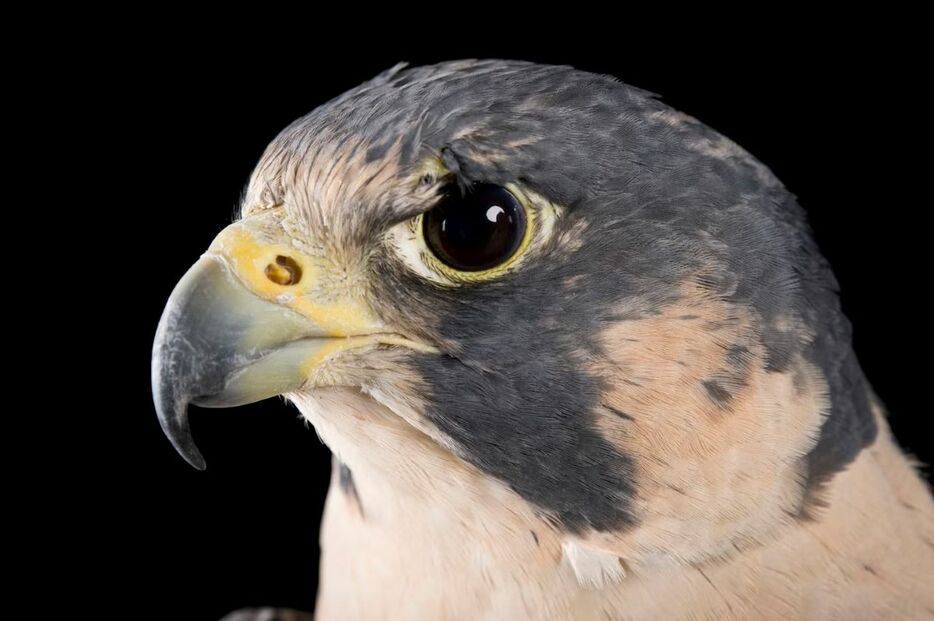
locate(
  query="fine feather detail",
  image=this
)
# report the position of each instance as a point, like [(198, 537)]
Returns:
[(594, 568)]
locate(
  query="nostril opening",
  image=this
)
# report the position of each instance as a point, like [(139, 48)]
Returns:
[(285, 271)]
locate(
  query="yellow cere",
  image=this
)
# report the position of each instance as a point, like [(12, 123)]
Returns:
[(341, 315)]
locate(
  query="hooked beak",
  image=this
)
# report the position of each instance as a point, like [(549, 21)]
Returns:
[(250, 320)]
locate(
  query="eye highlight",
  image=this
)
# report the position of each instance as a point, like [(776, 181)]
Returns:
[(475, 236), (476, 230)]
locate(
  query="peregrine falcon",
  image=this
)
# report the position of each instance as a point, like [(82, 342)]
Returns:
[(576, 354)]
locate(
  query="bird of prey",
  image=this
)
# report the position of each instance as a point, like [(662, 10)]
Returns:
[(577, 356)]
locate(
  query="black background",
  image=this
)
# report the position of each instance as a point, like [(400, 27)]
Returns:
[(186, 121)]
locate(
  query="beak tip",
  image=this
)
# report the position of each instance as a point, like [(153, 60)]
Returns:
[(174, 423), (185, 446), (184, 443), (196, 460)]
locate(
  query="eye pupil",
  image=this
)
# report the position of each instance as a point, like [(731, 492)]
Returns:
[(476, 230)]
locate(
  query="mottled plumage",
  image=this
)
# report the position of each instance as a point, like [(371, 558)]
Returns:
[(655, 412)]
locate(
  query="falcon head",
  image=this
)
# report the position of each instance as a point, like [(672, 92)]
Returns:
[(538, 280)]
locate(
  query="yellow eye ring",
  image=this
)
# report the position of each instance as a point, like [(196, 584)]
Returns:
[(487, 230)]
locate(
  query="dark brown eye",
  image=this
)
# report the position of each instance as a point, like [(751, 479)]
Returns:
[(475, 230)]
